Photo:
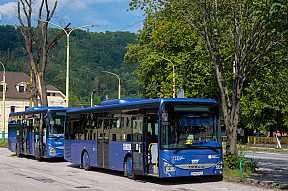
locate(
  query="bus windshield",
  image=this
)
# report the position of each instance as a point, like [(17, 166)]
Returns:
[(56, 124), (192, 126)]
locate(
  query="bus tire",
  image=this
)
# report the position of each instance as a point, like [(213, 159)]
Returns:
[(18, 154), (128, 169), (86, 161), (219, 177)]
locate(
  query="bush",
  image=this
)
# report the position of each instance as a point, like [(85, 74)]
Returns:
[(232, 161), (4, 144)]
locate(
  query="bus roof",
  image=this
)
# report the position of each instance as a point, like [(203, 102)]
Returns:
[(41, 110), (129, 102)]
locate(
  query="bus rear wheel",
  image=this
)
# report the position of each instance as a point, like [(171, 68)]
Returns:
[(17, 153), (86, 161)]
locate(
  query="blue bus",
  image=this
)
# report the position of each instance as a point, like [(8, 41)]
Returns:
[(167, 137), (38, 131)]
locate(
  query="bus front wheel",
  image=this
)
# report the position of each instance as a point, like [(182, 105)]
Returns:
[(86, 161), (128, 169)]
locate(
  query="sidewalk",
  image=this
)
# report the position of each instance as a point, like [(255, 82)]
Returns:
[(266, 176), (266, 146)]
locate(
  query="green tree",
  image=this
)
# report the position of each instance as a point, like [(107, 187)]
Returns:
[(237, 35), (164, 38), (264, 104)]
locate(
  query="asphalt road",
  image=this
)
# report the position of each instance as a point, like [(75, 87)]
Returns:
[(26, 173), (273, 167)]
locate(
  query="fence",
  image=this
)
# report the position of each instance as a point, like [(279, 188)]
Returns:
[(266, 140), (263, 140)]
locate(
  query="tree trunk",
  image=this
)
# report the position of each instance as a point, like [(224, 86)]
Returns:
[(41, 88)]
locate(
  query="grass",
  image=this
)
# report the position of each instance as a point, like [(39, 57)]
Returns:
[(4, 144), (236, 173), (262, 149)]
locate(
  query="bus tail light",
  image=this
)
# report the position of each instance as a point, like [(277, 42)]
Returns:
[(169, 167)]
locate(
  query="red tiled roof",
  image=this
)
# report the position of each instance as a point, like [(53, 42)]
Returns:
[(14, 78), (51, 88)]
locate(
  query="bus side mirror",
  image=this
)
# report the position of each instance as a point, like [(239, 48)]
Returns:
[(164, 118)]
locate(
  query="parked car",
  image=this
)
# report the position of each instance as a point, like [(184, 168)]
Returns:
[(260, 135)]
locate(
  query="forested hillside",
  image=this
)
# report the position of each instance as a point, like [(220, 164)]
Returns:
[(91, 53)]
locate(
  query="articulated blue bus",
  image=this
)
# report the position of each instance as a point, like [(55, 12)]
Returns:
[(38, 131), (155, 137)]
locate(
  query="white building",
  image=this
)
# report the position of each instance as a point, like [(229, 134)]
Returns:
[(17, 95)]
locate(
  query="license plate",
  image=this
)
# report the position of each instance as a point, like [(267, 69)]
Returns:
[(196, 173)]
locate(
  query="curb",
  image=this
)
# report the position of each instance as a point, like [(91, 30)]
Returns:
[(270, 184)]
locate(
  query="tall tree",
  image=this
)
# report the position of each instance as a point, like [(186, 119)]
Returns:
[(36, 40), (237, 35), (165, 40), (264, 105)]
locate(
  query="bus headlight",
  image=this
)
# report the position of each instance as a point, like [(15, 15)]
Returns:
[(219, 166), (169, 167), (52, 151)]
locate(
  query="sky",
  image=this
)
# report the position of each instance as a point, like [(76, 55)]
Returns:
[(110, 15)]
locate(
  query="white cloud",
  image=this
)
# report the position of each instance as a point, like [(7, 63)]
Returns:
[(73, 4), (9, 9), (85, 4)]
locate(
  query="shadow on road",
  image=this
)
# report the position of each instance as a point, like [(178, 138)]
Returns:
[(48, 160), (155, 180)]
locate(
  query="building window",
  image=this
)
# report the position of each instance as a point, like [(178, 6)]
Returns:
[(21, 88), (48, 94), (26, 107), (12, 109), (54, 94), (1, 88)]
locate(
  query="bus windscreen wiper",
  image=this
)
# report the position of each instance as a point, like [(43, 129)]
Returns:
[(179, 149), (212, 148), (207, 147)]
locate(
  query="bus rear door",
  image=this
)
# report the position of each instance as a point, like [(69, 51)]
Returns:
[(25, 137), (37, 138), (138, 145), (19, 138), (103, 143)]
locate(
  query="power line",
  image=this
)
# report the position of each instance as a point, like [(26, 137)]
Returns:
[(132, 25)]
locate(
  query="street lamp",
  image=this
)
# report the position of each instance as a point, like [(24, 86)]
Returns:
[(68, 35), (3, 113), (92, 97), (119, 86), (173, 73)]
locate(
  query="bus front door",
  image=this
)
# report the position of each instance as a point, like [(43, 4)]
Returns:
[(103, 143), (137, 145)]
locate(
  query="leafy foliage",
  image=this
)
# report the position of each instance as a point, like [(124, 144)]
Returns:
[(238, 35), (166, 40), (232, 161)]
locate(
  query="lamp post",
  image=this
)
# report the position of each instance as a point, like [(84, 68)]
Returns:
[(3, 113), (68, 36), (173, 73), (92, 97), (119, 86)]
